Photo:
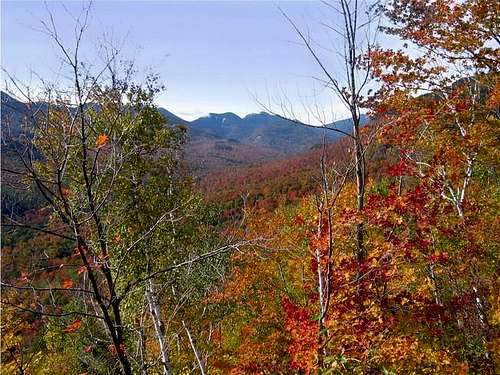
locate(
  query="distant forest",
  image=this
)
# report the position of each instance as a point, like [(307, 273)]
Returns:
[(135, 242)]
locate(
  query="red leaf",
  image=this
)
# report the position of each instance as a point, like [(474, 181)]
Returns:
[(65, 191), (399, 169)]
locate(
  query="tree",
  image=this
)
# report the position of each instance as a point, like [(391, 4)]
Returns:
[(440, 113), (350, 85), (114, 187)]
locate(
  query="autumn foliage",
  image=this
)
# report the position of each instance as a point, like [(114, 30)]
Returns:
[(298, 297), (425, 297)]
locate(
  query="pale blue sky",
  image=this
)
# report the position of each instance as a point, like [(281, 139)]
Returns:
[(212, 56)]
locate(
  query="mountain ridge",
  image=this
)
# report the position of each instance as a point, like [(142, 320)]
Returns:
[(225, 139)]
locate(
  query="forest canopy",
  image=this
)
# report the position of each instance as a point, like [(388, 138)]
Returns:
[(375, 252)]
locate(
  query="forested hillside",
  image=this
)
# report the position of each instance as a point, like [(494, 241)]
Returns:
[(360, 247), (216, 141)]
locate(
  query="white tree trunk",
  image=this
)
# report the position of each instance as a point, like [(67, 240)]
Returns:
[(195, 351), (154, 309)]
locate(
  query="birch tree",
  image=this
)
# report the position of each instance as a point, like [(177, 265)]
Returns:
[(114, 187)]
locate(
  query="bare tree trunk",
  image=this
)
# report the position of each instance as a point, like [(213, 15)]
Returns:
[(350, 92), (115, 330), (360, 185), (154, 309), (142, 351), (193, 346)]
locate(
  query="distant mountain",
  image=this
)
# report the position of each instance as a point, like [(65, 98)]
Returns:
[(266, 130), (13, 114), (206, 154), (171, 118), (220, 139)]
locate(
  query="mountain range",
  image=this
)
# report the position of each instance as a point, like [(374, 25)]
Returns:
[(224, 139)]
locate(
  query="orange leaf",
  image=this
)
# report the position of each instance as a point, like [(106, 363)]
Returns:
[(67, 284), (463, 369), (112, 349), (102, 139), (73, 326)]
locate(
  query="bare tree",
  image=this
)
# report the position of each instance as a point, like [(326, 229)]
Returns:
[(352, 23)]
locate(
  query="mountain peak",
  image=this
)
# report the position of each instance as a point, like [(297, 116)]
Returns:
[(260, 115), (226, 115)]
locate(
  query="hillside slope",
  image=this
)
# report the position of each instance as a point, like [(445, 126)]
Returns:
[(218, 141)]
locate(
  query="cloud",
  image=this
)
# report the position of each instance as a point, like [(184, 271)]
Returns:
[(192, 114)]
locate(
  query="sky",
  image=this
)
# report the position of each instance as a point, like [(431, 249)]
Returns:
[(213, 56)]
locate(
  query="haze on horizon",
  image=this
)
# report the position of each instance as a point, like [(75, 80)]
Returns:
[(213, 56)]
